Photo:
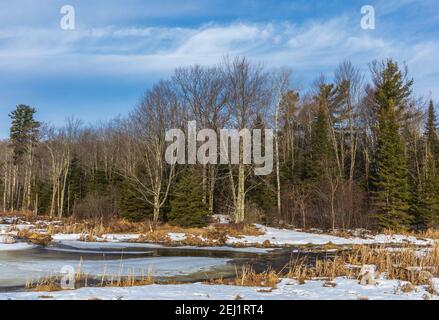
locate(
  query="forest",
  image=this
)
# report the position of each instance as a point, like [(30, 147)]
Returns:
[(358, 150)]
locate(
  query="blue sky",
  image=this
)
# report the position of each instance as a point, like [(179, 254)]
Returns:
[(120, 47)]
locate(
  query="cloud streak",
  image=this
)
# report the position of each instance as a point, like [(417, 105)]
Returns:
[(36, 53), (135, 50)]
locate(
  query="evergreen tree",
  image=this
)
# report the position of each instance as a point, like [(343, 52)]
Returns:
[(289, 108), (429, 208), (414, 159), (98, 182), (389, 173), (431, 133), (389, 181), (262, 193), (187, 206), (77, 182), (430, 194), (131, 204), (23, 131), (320, 152), (391, 83)]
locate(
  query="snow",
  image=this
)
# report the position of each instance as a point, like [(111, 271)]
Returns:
[(4, 229), (222, 218), (76, 244), (277, 237), (9, 243), (287, 289), (17, 267), (16, 246), (60, 237), (120, 237), (435, 284), (105, 245), (7, 239), (294, 237), (177, 236)]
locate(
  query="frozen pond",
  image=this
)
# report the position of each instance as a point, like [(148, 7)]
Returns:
[(19, 266), (27, 263)]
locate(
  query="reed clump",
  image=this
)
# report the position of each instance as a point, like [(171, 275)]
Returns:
[(409, 264), (34, 237), (246, 276)]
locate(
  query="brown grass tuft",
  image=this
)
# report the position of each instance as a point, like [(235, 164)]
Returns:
[(34, 237)]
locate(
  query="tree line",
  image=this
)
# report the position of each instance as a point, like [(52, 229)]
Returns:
[(347, 153)]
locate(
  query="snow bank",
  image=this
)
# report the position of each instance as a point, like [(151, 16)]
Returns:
[(60, 237), (293, 237), (7, 239), (9, 243), (345, 289), (177, 236), (113, 245), (276, 237), (16, 246)]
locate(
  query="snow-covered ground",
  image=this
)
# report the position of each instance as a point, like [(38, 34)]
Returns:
[(275, 236), (8, 243), (73, 242), (293, 237), (287, 289), (14, 269), (16, 246)]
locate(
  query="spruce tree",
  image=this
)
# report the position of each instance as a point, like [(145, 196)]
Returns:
[(320, 152), (23, 131), (187, 206), (131, 204), (430, 194), (262, 193), (389, 184), (431, 133), (389, 181), (429, 207), (391, 83), (77, 181), (414, 159)]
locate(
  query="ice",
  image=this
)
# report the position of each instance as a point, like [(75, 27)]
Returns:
[(15, 271)]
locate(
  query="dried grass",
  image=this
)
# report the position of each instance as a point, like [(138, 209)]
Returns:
[(34, 237), (247, 277), (405, 264)]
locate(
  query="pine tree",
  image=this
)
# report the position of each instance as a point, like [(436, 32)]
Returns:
[(98, 182), (429, 207), (23, 131), (131, 204), (262, 194), (77, 182), (389, 181), (432, 133), (414, 159), (389, 184), (430, 194), (320, 152), (391, 83), (187, 206)]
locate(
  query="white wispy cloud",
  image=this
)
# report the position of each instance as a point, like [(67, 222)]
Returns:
[(134, 51), (181, 45)]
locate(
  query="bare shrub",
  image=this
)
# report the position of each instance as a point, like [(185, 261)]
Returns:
[(95, 206)]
